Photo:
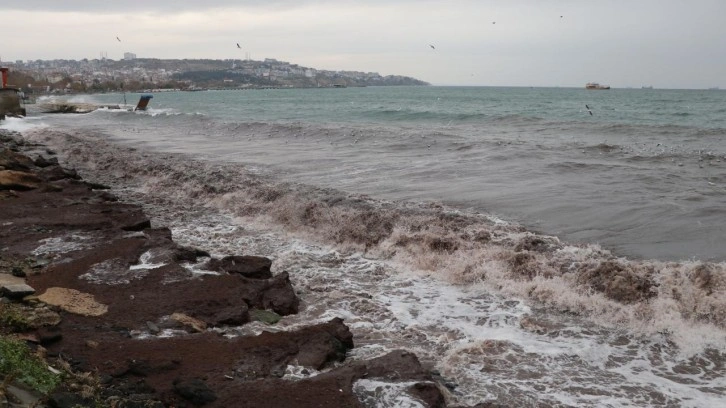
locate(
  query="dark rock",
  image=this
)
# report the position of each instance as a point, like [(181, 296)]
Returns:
[(136, 221), (49, 335), (97, 186), (14, 161), (316, 347), (275, 294), (18, 271), (217, 313), (328, 343), (56, 173), (254, 267), (16, 291), (185, 254), (139, 401), (429, 394), (51, 188), (194, 391), (147, 367), (69, 400), (265, 316), (140, 368), (42, 162), (397, 365), (153, 328), (18, 180), (159, 237), (106, 196)]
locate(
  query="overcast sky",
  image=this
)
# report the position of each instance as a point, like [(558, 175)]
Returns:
[(663, 43)]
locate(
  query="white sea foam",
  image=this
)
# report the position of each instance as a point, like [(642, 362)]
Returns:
[(382, 394), (296, 372), (144, 262), (489, 347), (56, 246), (22, 124), (115, 271)]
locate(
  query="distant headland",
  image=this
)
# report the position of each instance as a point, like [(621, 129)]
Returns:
[(144, 74)]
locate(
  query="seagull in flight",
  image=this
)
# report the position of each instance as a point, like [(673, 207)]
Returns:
[(119, 40), (432, 47), (238, 45)]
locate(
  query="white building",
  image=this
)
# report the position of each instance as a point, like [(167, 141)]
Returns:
[(128, 56)]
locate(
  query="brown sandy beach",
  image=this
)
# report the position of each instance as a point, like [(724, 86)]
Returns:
[(110, 294)]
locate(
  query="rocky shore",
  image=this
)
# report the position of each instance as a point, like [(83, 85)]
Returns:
[(125, 317)]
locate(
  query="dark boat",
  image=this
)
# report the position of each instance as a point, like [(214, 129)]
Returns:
[(143, 102)]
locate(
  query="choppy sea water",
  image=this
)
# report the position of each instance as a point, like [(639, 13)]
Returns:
[(644, 175), (426, 229)]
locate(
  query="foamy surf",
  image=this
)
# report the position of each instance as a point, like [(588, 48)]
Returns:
[(500, 312), (21, 124)]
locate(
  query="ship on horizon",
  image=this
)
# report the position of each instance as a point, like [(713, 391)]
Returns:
[(595, 85)]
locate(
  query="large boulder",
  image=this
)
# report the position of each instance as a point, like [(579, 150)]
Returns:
[(73, 301), (43, 162), (194, 391), (276, 294), (10, 160), (56, 173), (18, 180), (254, 267), (324, 344)]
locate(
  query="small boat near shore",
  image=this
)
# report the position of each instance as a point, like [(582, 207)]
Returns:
[(77, 107), (595, 85)]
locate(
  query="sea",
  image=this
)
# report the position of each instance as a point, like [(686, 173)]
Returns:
[(535, 247)]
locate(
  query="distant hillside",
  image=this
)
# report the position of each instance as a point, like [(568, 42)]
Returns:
[(236, 73), (150, 73)]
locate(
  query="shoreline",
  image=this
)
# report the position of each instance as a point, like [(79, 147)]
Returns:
[(348, 256), (128, 310)]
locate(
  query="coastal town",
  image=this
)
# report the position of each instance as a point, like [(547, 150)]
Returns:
[(150, 74)]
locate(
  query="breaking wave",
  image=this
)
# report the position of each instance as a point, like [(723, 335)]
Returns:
[(674, 299)]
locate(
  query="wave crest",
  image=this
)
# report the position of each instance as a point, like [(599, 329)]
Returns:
[(459, 247)]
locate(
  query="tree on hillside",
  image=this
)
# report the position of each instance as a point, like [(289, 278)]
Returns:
[(25, 81)]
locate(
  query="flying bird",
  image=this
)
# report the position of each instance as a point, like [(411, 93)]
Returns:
[(588, 109), (432, 47), (119, 40), (238, 45)]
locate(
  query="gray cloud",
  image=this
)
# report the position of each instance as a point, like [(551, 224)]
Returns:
[(622, 43), (167, 6)]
